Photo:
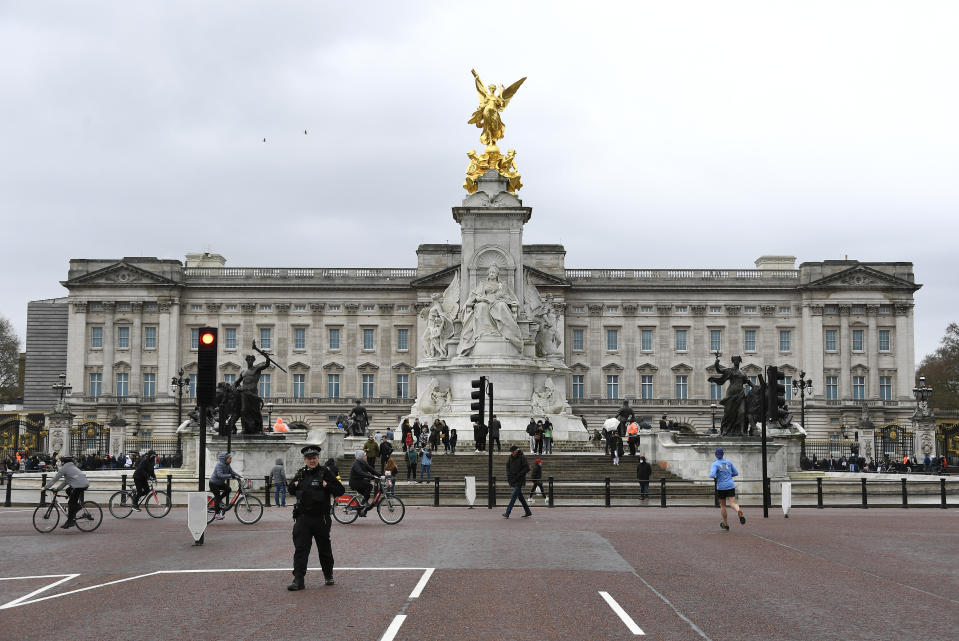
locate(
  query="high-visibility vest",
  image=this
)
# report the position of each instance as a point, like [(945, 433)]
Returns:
[(633, 429)]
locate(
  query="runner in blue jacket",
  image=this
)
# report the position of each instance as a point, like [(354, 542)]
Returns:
[(724, 471)]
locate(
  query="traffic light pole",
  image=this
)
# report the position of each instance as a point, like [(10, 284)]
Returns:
[(489, 446), (765, 470)]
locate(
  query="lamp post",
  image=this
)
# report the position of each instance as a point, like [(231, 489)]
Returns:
[(801, 386), (178, 384), (62, 387), (713, 407), (269, 414)]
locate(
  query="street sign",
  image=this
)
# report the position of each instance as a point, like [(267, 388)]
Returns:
[(196, 514), (471, 490)]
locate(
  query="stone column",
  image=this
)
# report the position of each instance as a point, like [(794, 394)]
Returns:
[(352, 342), (247, 329), (698, 345), (872, 352), (768, 335), (136, 350), (904, 346), (282, 384), (59, 422), (595, 350), (77, 349), (664, 349), (629, 387), (845, 354), (734, 345), (118, 434), (317, 348), (924, 432), (165, 348), (109, 349), (171, 311), (813, 347)]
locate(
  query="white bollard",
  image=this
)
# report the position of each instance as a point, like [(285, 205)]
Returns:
[(787, 498), (471, 490), (196, 515)]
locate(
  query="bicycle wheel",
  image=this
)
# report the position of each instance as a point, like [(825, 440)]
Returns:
[(391, 509), (45, 518), (345, 512), (210, 507), (157, 504), (90, 516), (248, 509), (121, 504)]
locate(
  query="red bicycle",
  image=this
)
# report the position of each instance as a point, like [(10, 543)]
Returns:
[(248, 508), (347, 508)]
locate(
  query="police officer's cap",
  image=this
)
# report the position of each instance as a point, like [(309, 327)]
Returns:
[(311, 450)]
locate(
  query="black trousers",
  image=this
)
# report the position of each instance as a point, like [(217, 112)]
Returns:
[(141, 485), (495, 439), (633, 442), (75, 499), (309, 528), (220, 491)]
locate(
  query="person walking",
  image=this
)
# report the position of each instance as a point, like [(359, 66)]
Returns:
[(314, 486), (536, 475), (723, 471), (479, 435), (538, 438), (632, 437), (278, 476), (386, 450), (445, 438), (547, 436), (615, 446), (516, 470), (371, 449), (531, 433), (494, 428), (411, 457), (453, 439), (643, 471), (426, 463)]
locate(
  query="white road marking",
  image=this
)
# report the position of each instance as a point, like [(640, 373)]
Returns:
[(9, 510), (391, 631), (25, 597), (418, 590), (621, 613)]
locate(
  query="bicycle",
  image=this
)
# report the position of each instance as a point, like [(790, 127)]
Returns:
[(249, 509), (390, 507), (47, 517), (156, 502)]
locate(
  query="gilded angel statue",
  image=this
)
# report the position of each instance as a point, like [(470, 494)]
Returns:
[(491, 105), (439, 320)]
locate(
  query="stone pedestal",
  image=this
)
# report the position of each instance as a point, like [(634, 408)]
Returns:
[(118, 434), (924, 435), (255, 455), (59, 423)]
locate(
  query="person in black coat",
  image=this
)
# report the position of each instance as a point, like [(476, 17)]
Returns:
[(141, 475), (615, 447), (360, 476), (314, 486), (494, 428), (516, 470), (643, 471)]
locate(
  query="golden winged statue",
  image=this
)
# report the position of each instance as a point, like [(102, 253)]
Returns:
[(492, 102)]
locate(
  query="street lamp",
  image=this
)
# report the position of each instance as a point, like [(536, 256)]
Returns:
[(801, 386), (178, 384), (62, 387), (922, 394), (269, 420), (713, 407)]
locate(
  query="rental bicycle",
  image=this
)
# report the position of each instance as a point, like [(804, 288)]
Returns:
[(156, 502), (47, 516), (390, 507), (248, 508)]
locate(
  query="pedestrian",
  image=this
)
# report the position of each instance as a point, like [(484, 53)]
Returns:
[(536, 475), (494, 428), (386, 450), (417, 428), (408, 441), (548, 436), (632, 437), (531, 434), (445, 437), (390, 471), (479, 435), (663, 425), (435, 431), (278, 476), (371, 449), (615, 446), (405, 430), (411, 457), (605, 435), (643, 471), (538, 438), (926, 463), (723, 471), (388, 435), (516, 470), (426, 463), (424, 438), (453, 439), (314, 486)]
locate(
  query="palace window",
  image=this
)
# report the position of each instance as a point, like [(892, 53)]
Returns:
[(749, 340), (646, 340), (857, 339), (334, 336), (266, 338), (859, 388), (680, 340), (785, 340), (884, 343), (229, 379), (788, 383), (578, 340), (150, 337), (612, 341), (230, 308), (831, 340), (885, 388), (299, 338), (832, 388), (196, 308), (123, 337), (194, 337), (612, 386), (299, 385), (266, 308), (96, 337), (123, 384), (149, 385), (402, 308), (96, 384), (403, 340), (682, 386), (264, 386), (367, 338), (715, 391), (681, 309), (579, 309), (646, 386), (578, 386), (715, 309), (333, 385), (230, 338), (646, 309), (402, 385), (715, 340), (368, 385), (299, 308)]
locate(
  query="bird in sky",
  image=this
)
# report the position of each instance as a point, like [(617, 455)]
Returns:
[(304, 132)]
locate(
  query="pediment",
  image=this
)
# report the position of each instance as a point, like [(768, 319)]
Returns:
[(681, 367), (647, 367), (298, 365), (367, 366), (612, 367), (120, 274), (121, 365), (334, 366), (401, 366), (579, 367), (752, 369), (542, 278), (436, 279), (229, 365), (861, 277)]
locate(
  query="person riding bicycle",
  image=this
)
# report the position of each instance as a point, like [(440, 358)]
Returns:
[(220, 479), (360, 476), (141, 475), (77, 482)]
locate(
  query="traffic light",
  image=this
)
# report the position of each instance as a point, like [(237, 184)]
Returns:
[(206, 367), (776, 408), (478, 406)]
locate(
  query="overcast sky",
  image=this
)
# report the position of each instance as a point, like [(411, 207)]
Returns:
[(648, 134)]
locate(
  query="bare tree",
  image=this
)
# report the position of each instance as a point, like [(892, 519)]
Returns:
[(941, 369), (9, 361)]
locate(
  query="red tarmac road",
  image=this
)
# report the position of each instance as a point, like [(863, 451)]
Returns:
[(831, 574)]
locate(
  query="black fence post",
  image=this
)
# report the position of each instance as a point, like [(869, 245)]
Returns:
[(715, 493), (549, 482), (819, 493), (169, 489), (436, 491), (942, 493), (7, 503), (607, 492), (905, 497), (266, 490), (492, 492), (662, 492), (123, 482), (865, 502), (43, 491)]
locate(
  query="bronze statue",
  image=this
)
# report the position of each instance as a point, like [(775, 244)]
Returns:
[(251, 405), (736, 415), (358, 420), (228, 408)]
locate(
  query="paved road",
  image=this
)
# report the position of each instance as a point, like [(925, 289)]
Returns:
[(453, 573)]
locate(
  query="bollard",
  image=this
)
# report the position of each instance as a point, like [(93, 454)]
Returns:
[(715, 493), (942, 493), (436, 491), (123, 482), (43, 491), (662, 492), (491, 490), (819, 492), (865, 502), (905, 497), (549, 481), (607, 492), (169, 489), (7, 503), (266, 489)]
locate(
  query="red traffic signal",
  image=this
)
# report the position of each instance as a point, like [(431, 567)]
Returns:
[(206, 367), (208, 337)]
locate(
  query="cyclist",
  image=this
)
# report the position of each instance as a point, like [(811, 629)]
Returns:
[(220, 479), (360, 476), (141, 475), (77, 481)]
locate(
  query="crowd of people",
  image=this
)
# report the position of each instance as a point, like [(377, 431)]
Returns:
[(854, 462)]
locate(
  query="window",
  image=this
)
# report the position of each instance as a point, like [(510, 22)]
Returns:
[(578, 309), (749, 340), (299, 385), (123, 337), (715, 391), (334, 333), (680, 340), (334, 308), (578, 339), (196, 308), (883, 340), (858, 388), (749, 309), (402, 385), (646, 386), (612, 342), (681, 309), (830, 340), (333, 385), (367, 308), (402, 308), (885, 309), (264, 387), (788, 383), (367, 385), (149, 385), (96, 384), (857, 339), (715, 340), (299, 308), (831, 309), (123, 307), (785, 341), (885, 388), (715, 309), (96, 337), (832, 388), (194, 338), (149, 337), (646, 340), (229, 379), (123, 384), (403, 339), (578, 386), (231, 308), (149, 307), (266, 308), (230, 338), (784, 309), (646, 309), (96, 306), (191, 385), (682, 386), (858, 309), (299, 338), (612, 308), (367, 338), (612, 386), (266, 338)]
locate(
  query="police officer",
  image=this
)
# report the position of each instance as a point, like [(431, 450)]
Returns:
[(312, 485)]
